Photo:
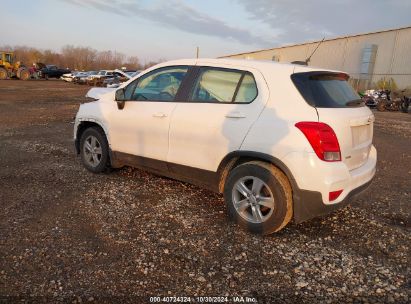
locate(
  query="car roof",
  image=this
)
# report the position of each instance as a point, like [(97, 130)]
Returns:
[(261, 65)]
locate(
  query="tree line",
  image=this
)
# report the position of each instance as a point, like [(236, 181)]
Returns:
[(77, 58)]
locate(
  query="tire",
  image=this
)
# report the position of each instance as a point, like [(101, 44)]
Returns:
[(404, 105), (24, 74), (3, 74), (94, 150), (273, 213)]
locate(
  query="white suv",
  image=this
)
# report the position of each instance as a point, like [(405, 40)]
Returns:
[(280, 141)]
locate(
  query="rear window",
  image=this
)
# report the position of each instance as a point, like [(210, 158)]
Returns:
[(326, 90)]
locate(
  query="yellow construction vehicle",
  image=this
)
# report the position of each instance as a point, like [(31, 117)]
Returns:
[(9, 68)]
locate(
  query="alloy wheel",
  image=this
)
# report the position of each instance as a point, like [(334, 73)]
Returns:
[(92, 151), (253, 199)]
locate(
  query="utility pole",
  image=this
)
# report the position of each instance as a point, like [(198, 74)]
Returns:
[(198, 51)]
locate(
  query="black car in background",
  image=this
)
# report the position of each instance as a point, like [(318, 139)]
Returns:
[(51, 71)]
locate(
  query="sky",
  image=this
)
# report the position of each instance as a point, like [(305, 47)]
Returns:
[(172, 29)]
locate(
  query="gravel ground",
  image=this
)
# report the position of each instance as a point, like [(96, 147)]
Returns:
[(67, 235)]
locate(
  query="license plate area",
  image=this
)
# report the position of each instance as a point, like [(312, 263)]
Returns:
[(361, 135)]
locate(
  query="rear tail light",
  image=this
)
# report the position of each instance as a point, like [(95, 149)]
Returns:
[(322, 139), (332, 196)]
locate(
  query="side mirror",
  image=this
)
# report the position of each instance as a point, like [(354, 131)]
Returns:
[(120, 98)]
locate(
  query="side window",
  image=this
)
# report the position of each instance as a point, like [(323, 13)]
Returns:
[(247, 91), (158, 85), (215, 85), (224, 85)]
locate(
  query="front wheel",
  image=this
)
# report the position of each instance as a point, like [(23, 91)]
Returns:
[(94, 150), (258, 197), (3, 74)]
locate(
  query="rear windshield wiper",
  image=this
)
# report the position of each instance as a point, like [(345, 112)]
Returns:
[(355, 102)]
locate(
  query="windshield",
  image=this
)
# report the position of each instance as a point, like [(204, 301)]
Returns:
[(102, 73), (8, 58), (326, 89)]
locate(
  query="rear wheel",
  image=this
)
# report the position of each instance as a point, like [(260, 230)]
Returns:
[(24, 74), (258, 197), (3, 74), (94, 150)]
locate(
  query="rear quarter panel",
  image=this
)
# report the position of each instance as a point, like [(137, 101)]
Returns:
[(274, 133)]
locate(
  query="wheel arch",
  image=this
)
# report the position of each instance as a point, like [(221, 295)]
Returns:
[(84, 125), (237, 158)]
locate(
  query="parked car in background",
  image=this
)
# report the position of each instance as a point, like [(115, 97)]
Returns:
[(52, 71), (117, 78), (116, 84), (67, 77), (101, 74), (370, 101), (70, 76), (275, 154), (98, 78), (82, 77), (133, 73)]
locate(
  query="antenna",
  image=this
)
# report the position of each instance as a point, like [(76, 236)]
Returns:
[(309, 58)]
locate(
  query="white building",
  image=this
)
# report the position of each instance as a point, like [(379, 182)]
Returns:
[(374, 59)]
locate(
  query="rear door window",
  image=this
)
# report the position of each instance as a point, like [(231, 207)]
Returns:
[(326, 89), (247, 90), (223, 86)]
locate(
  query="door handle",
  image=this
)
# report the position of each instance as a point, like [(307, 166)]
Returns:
[(235, 115), (159, 114)]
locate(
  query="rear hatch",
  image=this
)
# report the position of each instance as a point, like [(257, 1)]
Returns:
[(339, 106)]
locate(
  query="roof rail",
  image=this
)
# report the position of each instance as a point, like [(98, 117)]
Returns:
[(299, 62)]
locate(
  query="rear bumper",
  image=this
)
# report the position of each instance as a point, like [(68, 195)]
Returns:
[(315, 179), (308, 204)]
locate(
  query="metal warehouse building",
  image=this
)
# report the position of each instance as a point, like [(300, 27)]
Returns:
[(373, 60)]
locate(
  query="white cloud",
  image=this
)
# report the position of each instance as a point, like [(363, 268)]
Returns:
[(307, 20), (177, 14)]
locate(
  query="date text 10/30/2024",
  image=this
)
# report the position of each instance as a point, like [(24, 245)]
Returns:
[(207, 299)]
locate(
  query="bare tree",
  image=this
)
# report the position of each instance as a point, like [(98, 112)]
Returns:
[(151, 63), (76, 58), (132, 63)]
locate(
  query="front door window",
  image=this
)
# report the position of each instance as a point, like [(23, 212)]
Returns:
[(158, 85)]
